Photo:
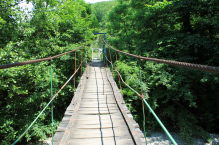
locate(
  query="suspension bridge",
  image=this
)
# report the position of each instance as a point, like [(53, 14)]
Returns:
[(97, 114)]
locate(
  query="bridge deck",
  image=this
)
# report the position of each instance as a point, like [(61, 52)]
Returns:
[(97, 115)]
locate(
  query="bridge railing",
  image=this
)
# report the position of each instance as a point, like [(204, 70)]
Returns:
[(199, 67), (4, 66)]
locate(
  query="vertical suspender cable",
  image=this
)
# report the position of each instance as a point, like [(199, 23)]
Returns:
[(52, 103), (111, 62), (119, 77), (118, 70), (81, 61), (106, 57), (145, 134), (75, 75)]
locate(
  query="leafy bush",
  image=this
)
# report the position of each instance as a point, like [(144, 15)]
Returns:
[(185, 100)]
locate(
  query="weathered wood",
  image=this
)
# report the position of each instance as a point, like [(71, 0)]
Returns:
[(96, 115), (97, 121), (98, 141), (92, 117)]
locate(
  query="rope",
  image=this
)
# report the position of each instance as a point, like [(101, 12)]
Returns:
[(199, 67), (158, 120), (4, 66), (47, 105)]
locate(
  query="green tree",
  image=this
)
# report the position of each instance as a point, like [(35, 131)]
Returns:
[(173, 30), (54, 27)]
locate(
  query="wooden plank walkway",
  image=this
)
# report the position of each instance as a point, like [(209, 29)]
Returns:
[(97, 115)]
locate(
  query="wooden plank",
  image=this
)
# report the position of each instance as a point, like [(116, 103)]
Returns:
[(69, 112), (99, 86), (96, 126), (96, 109), (99, 135), (67, 117), (100, 99), (97, 90), (98, 141), (91, 117), (125, 115), (58, 136), (100, 105), (100, 93), (103, 97), (97, 112), (70, 107), (97, 121), (95, 95), (97, 102)]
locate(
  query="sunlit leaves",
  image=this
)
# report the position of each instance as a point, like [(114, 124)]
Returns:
[(173, 30), (53, 28)]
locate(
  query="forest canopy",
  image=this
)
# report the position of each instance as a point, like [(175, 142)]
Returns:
[(187, 31), (186, 100), (51, 28)]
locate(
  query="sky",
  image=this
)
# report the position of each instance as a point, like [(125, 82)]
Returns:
[(94, 1), (23, 4)]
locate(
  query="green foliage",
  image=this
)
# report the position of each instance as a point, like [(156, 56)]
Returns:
[(53, 27), (185, 31), (101, 9)]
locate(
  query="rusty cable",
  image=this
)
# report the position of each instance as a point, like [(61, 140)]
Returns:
[(4, 66), (81, 61), (110, 60), (118, 76), (199, 67), (46, 106), (105, 58), (129, 86)]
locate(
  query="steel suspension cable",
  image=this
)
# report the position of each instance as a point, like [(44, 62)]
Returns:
[(199, 67), (52, 103), (75, 70), (81, 61), (119, 77), (118, 70), (48, 104), (36, 60), (145, 133), (105, 57), (111, 62)]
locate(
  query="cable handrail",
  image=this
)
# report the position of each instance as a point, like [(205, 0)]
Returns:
[(49, 103), (199, 67), (4, 66), (152, 111)]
